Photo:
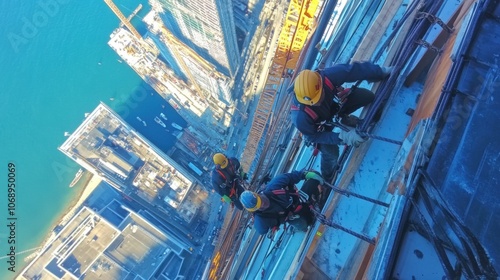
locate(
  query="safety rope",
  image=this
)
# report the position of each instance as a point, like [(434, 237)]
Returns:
[(366, 134), (349, 193), (381, 138), (416, 31), (323, 220), (270, 250), (311, 159)]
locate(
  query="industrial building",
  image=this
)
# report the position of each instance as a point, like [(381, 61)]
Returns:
[(105, 239), (109, 148)]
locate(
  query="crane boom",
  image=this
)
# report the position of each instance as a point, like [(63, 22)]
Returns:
[(122, 18)]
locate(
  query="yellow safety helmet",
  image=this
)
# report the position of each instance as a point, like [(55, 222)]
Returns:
[(308, 87), (220, 160)]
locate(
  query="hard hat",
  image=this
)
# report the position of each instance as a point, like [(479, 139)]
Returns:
[(250, 200), (220, 160), (308, 87)]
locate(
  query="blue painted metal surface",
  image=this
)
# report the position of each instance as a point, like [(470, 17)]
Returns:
[(455, 206)]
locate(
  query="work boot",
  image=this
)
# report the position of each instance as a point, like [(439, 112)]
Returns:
[(350, 120)]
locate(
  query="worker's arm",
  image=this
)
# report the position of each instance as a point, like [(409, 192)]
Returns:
[(357, 71)]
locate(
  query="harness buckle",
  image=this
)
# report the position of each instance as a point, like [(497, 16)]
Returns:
[(293, 217)]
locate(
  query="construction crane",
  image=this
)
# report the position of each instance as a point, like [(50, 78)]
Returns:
[(191, 53), (173, 43), (133, 14), (122, 18)]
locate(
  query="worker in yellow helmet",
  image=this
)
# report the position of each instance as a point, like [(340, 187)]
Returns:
[(226, 179), (320, 97)]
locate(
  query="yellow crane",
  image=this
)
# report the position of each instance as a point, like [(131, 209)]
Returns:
[(122, 18), (173, 43), (292, 38)]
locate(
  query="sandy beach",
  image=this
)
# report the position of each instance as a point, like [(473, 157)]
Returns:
[(89, 186)]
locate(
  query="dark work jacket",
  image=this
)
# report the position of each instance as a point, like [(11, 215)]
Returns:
[(275, 214), (338, 75), (222, 183)]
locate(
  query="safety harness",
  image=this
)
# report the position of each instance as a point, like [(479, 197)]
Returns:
[(229, 175), (288, 213)]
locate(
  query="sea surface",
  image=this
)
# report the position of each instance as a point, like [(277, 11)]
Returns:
[(56, 66)]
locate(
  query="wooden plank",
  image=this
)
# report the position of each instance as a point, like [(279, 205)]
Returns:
[(400, 38), (309, 270), (377, 30), (365, 262)]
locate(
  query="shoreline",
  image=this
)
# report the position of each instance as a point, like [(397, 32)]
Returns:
[(86, 189)]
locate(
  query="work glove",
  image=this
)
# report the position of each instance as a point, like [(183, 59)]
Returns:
[(226, 198), (351, 138), (315, 176)]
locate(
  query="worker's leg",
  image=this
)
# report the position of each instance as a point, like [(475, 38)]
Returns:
[(299, 223), (358, 98), (305, 218), (329, 157), (237, 203), (312, 189), (329, 161)]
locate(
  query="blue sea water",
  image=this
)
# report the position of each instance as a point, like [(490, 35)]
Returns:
[(55, 67)]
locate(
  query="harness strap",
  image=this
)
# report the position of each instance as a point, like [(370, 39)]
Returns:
[(233, 182), (295, 207), (232, 192), (282, 191), (329, 83), (229, 169), (306, 109), (340, 92), (221, 174)]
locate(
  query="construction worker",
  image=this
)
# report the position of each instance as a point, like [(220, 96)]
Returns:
[(226, 179), (320, 97), (282, 202)]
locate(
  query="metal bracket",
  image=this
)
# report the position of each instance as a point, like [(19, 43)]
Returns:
[(428, 45), (434, 19)]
